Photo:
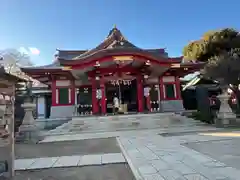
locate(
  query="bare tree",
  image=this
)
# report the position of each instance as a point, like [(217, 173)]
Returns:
[(12, 60)]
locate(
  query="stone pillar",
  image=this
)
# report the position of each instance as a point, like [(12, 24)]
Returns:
[(225, 115), (28, 131)]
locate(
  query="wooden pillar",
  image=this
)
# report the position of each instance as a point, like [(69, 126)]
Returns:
[(94, 98), (161, 88), (54, 93), (73, 92), (178, 88), (140, 93), (103, 100)]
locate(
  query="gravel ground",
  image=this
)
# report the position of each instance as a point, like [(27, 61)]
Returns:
[(226, 151), (106, 172), (66, 148)]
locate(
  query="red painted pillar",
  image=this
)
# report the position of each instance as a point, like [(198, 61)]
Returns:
[(140, 93), (161, 89), (103, 100), (94, 98), (72, 92), (53, 86), (178, 88)]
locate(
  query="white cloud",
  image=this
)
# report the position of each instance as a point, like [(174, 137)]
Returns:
[(29, 50), (24, 50), (34, 51)]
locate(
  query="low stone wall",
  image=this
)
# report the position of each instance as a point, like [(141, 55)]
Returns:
[(62, 111)]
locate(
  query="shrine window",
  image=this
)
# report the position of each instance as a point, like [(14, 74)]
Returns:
[(85, 96), (170, 88), (64, 96), (170, 91)]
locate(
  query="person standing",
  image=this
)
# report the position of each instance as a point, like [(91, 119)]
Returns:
[(115, 104)]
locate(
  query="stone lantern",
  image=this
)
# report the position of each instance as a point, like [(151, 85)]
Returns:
[(225, 115), (28, 131)]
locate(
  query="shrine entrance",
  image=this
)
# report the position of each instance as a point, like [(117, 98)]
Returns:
[(126, 92)]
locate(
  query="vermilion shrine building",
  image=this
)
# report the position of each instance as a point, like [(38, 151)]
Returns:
[(85, 81)]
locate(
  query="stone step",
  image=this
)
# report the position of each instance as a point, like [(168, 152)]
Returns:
[(137, 116), (159, 131), (123, 128), (126, 122)]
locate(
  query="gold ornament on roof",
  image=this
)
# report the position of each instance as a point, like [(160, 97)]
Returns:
[(66, 68)]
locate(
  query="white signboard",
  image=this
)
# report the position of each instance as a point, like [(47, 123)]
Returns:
[(146, 91), (99, 94)]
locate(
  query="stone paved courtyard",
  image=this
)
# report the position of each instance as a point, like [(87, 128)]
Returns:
[(167, 158), (172, 153), (66, 148), (69, 161), (104, 172), (226, 151), (191, 156)]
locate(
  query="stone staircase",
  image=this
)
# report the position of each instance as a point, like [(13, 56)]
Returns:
[(124, 123)]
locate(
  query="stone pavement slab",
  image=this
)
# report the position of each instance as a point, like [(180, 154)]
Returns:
[(88, 160), (167, 158), (147, 169), (113, 158), (23, 164), (42, 163), (195, 177), (65, 148), (224, 150), (69, 161), (104, 172), (153, 177)]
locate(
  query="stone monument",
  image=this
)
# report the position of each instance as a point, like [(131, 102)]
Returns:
[(28, 131)]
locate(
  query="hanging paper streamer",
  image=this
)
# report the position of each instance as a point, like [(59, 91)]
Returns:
[(124, 82)]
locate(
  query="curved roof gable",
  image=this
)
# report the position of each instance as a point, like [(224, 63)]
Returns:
[(115, 39)]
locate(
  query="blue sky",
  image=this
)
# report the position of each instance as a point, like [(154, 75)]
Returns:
[(83, 24)]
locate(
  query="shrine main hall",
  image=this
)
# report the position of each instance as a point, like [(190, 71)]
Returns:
[(84, 82)]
